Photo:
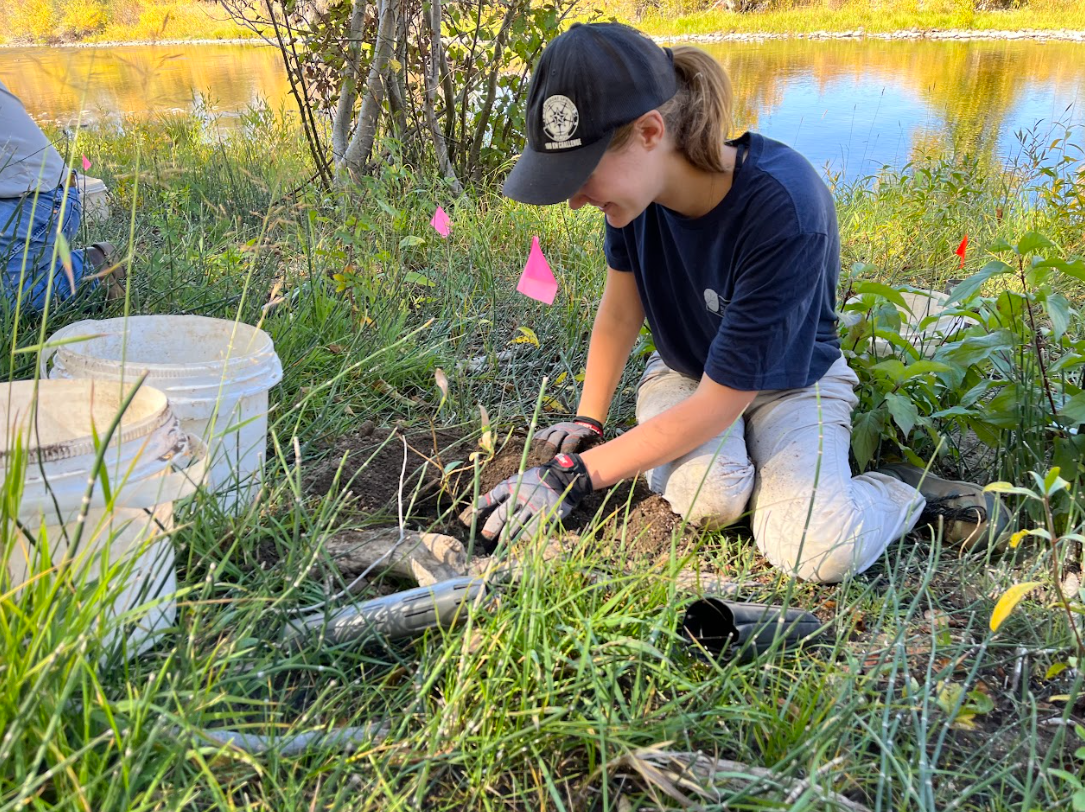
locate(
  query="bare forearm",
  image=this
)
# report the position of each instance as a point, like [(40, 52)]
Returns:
[(617, 324), (677, 431), (608, 353)]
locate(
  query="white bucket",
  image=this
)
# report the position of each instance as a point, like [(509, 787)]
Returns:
[(216, 374), (54, 423)]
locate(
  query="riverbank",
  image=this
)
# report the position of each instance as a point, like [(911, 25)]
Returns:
[(857, 19), (905, 34), (139, 43), (1038, 35), (186, 22), (111, 22)]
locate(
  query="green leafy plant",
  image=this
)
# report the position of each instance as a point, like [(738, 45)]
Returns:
[(1065, 548), (1009, 375), (1074, 782)]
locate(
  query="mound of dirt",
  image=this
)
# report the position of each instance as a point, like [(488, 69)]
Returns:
[(641, 521), (439, 477)]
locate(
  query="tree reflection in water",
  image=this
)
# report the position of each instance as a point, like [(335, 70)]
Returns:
[(850, 106)]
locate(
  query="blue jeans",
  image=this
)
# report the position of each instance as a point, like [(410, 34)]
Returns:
[(29, 261)]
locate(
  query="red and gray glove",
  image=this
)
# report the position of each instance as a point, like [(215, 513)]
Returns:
[(572, 435), (539, 497)]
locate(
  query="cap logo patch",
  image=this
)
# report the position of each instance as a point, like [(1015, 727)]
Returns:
[(560, 119)]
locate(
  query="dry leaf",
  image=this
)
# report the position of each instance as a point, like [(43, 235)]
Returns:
[(442, 382), (486, 440)]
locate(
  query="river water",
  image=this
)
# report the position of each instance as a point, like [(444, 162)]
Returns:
[(851, 106)]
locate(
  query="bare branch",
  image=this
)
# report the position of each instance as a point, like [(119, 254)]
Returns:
[(483, 119), (436, 62), (352, 76)]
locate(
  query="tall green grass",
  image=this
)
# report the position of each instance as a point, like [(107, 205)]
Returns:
[(566, 690)]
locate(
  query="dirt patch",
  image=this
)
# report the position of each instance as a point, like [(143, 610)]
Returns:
[(374, 469), (369, 464), (640, 521)]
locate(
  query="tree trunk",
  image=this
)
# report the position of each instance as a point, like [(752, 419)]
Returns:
[(352, 164), (395, 84), (433, 79), (352, 77)]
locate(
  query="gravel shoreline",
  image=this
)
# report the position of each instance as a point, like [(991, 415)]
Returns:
[(173, 43), (1058, 34), (1052, 35)]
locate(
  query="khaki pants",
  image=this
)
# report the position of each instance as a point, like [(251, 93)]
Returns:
[(786, 461)]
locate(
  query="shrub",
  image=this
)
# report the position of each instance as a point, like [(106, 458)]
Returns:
[(81, 17), (33, 19)]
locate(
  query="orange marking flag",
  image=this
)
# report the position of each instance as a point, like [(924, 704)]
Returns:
[(962, 249)]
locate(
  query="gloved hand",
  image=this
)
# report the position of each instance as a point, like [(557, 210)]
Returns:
[(548, 492), (572, 435)]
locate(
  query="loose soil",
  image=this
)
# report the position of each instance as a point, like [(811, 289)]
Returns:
[(637, 527), (368, 467)]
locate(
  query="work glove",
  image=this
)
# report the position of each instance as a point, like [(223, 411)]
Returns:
[(539, 497), (572, 435)]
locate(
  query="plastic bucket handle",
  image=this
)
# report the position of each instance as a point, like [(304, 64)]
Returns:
[(183, 482), (50, 348), (149, 492)]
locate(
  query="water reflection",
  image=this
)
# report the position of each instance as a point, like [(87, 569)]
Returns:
[(103, 84), (856, 106), (850, 106)]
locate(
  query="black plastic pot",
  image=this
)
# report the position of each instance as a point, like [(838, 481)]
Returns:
[(733, 630)]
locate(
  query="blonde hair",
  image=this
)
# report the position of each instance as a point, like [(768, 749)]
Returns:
[(698, 116)]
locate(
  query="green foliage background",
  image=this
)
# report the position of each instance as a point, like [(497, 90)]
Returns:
[(129, 20), (65, 20)]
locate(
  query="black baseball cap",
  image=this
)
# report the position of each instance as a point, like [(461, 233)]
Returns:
[(590, 80)]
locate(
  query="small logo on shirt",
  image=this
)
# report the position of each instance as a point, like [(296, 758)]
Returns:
[(714, 302)]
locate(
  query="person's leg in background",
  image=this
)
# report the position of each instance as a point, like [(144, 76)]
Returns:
[(30, 261)]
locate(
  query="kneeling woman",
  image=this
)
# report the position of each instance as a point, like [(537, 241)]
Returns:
[(731, 251)]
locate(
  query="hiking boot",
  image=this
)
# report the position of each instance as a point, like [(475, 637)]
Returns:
[(966, 514), (107, 267)]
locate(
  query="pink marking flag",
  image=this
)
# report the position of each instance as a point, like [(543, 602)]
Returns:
[(962, 249), (86, 163), (537, 280), (440, 222)]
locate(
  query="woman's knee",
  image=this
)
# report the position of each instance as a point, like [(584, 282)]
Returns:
[(819, 566), (712, 495), (661, 388), (820, 552)]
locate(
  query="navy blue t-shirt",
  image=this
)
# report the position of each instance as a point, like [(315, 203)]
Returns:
[(747, 292)]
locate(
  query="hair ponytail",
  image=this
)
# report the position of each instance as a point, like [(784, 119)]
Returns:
[(698, 116)]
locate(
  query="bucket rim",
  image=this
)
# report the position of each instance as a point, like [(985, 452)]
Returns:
[(159, 416), (258, 361)]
